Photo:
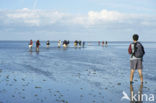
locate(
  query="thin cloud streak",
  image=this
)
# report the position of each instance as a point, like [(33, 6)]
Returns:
[(35, 4)]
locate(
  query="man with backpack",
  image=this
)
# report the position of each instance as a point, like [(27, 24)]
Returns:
[(136, 50)]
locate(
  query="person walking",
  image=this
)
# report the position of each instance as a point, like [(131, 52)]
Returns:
[(75, 43), (30, 44), (59, 43), (48, 44), (103, 43), (136, 51), (79, 43), (37, 45), (106, 43)]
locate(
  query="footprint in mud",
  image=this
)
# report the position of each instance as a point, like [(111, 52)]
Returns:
[(100, 93), (118, 83), (23, 97), (94, 101), (35, 95), (10, 84), (59, 97), (15, 80), (37, 87), (7, 76), (94, 95), (0, 70), (81, 95), (23, 79), (42, 101)]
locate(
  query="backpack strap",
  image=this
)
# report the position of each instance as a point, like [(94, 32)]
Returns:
[(134, 49)]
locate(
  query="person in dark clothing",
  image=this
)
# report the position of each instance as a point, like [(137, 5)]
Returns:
[(106, 43), (68, 42), (136, 51), (37, 45), (75, 43), (48, 44), (65, 43), (103, 43), (79, 43)]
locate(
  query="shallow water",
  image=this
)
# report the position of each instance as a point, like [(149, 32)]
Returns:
[(93, 74)]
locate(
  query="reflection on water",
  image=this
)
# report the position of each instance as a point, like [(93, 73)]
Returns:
[(136, 97)]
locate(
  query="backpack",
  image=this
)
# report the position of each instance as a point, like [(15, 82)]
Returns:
[(138, 50)]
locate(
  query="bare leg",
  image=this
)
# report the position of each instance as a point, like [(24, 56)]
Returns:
[(140, 74), (131, 75)]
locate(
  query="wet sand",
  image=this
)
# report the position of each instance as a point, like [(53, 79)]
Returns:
[(93, 74)]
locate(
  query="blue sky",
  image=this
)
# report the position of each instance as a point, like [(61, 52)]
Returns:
[(77, 19)]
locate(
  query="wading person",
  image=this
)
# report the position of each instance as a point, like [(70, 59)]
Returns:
[(83, 44), (37, 45), (59, 44), (136, 50), (30, 44), (75, 43), (103, 43), (106, 43), (48, 44), (79, 43), (65, 43)]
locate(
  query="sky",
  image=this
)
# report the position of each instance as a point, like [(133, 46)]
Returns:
[(91, 20)]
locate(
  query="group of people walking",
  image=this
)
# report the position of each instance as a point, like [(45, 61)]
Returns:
[(79, 43), (65, 44), (103, 43), (37, 44)]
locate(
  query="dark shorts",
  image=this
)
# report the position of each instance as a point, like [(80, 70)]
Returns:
[(136, 64)]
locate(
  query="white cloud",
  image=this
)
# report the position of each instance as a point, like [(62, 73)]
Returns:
[(34, 17), (105, 15), (49, 17), (94, 22)]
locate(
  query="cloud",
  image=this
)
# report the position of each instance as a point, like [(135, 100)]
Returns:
[(33, 17), (49, 17), (95, 22)]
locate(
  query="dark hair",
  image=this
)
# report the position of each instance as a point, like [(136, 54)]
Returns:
[(135, 37)]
